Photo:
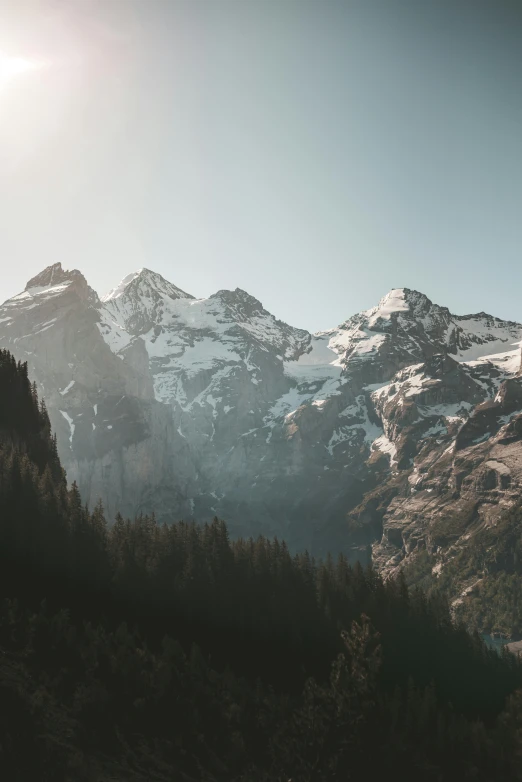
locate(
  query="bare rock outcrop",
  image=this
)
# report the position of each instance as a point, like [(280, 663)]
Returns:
[(200, 407)]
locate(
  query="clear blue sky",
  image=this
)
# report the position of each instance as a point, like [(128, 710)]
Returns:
[(313, 152)]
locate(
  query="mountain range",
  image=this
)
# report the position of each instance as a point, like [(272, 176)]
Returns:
[(396, 434)]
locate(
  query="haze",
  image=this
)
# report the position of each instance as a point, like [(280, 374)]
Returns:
[(315, 153)]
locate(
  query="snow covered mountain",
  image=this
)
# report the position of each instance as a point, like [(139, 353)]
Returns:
[(196, 407)]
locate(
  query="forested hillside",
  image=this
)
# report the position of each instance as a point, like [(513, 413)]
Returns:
[(483, 580), (133, 651)]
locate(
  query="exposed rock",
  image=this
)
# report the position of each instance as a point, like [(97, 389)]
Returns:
[(459, 493), (196, 407), (515, 647)]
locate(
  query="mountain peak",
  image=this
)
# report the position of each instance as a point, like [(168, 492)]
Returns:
[(398, 300), (54, 275), (240, 300), (145, 282), (120, 289)]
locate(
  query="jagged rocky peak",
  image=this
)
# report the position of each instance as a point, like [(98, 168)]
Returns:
[(489, 320), (399, 310), (53, 282), (396, 301), (55, 275), (236, 296), (409, 319), (404, 328), (145, 283), (142, 301), (241, 303)]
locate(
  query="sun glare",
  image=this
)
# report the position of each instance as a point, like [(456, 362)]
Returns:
[(14, 66)]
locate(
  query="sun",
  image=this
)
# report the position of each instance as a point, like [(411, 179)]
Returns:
[(11, 67)]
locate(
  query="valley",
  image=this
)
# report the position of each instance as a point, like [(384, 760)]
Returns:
[(395, 437)]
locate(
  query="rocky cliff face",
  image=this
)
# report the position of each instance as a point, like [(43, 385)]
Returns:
[(457, 429), (196, 407), (116, 440)]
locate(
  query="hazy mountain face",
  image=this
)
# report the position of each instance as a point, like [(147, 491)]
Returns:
[(201, 407)]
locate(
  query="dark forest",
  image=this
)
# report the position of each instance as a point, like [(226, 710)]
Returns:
[(136, 651)]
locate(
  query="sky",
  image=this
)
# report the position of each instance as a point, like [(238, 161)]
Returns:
[(315, 153)]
